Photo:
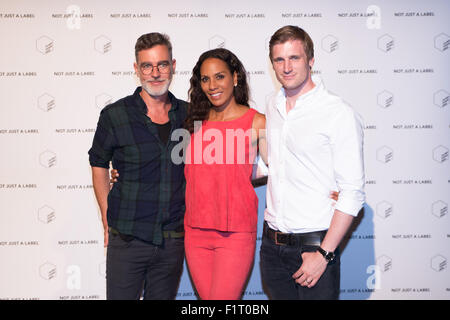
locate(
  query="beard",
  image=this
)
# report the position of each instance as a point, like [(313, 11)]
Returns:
[(157, 92)]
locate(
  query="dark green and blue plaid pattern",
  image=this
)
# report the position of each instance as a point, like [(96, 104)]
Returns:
[(149, 195)]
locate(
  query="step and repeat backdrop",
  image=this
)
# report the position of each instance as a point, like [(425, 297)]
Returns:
[(63, 61)]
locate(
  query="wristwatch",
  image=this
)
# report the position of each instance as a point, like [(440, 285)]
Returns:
[(328, 255)]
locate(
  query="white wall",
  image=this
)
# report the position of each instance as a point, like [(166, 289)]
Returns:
[(388, 59)]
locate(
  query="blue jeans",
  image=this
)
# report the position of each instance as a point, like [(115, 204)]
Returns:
[(280, 262), (133, 266)]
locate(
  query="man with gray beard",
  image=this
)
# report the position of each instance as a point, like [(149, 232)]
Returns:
[(142, 214)]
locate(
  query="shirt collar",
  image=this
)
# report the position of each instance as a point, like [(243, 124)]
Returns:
[(303, 99)]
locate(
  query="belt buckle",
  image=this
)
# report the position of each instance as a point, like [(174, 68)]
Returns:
[(276, 238)]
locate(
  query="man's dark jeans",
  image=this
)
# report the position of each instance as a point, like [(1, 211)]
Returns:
[(133, 266), (280, 262)]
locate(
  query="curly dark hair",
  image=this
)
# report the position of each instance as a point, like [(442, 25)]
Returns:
[(199, 104)]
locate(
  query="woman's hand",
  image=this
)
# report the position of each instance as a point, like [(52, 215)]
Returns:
[(333, 194), (114, 175)]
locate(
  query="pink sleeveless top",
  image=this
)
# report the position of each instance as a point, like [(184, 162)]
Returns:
[(219, 162)]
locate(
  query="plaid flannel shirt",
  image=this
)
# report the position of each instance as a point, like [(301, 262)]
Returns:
[(148, 198)]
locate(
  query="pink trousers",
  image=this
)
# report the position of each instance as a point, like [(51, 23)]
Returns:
[(219, 262)]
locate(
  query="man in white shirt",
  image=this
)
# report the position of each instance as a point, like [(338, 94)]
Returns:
[(315, 145)]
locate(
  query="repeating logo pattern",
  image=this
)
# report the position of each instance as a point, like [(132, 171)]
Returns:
[(58, 79)]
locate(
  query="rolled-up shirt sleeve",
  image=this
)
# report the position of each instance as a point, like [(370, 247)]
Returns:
[(348, 162), (103, 144)]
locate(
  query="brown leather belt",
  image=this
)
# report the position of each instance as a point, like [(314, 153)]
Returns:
[(294, 239)]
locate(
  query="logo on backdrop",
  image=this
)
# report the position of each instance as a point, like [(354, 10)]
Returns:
[(441, 42), (47, 159), (372, 15), (384, 209), (330, 43), (412, 14), (141, 15), (244, 15), (47, 271), (411, 126), (216, 42), (438, 263), (46, 214), (187, 15), (46, 102), (26, 131), (102, 44), (385, 154), (301, 15), (385, 99), (439, 208), (385, 43), (72, 17), (44, 45), (27, 16), (440, 154), (384, 263), (440, 98)]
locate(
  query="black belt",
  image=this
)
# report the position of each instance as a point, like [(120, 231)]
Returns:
[(294, 239), (167, 234)]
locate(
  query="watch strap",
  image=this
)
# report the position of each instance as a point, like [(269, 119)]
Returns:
[(328, 255)]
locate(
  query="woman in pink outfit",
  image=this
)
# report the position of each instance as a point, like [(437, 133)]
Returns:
[(221, 204)]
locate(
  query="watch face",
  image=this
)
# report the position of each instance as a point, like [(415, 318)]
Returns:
[(329, 256)]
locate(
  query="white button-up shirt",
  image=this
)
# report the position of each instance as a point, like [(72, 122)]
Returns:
[(314, 149)]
